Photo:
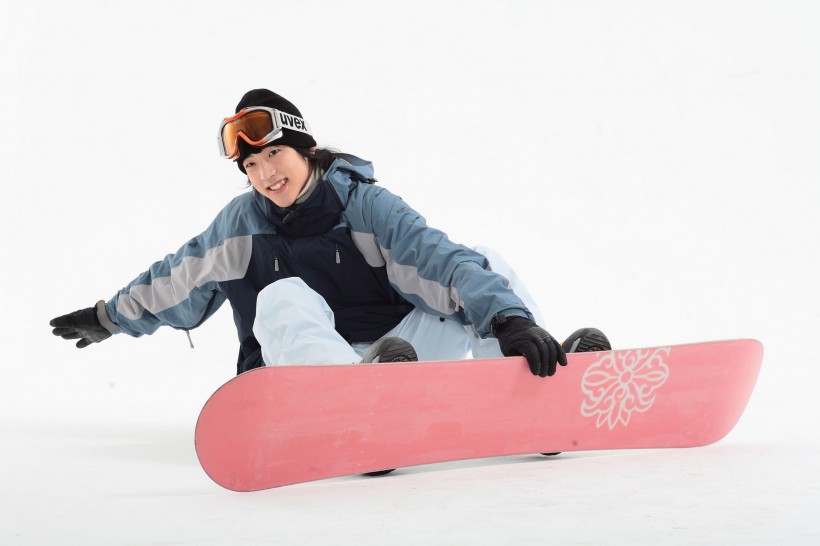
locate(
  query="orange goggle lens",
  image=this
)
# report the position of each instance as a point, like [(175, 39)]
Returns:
[(254, 126)]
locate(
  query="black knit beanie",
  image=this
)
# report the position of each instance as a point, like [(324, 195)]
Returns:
[(264, 97)]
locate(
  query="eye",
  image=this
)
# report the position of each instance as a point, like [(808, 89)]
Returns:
[(248, 165), (273, 152)]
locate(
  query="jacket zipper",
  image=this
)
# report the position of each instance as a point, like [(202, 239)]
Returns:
[(338, 255)]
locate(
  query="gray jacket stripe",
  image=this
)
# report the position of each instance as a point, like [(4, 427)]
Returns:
[(369, 247), (222, 263), (439, 298)]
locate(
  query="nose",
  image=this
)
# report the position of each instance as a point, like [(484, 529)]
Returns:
[(268, 167)]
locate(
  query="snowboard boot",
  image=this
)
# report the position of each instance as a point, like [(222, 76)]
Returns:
[(390, 349), (585, 340)]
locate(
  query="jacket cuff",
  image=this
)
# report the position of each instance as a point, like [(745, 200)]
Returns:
[(102, 316), (500, 318)]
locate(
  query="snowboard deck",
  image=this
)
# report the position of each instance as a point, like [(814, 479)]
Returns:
[(276, 426)]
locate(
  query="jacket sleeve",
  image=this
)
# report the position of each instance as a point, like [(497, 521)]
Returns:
[(181, 290), (431, 271)]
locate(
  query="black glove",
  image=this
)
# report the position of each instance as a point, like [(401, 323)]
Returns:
[(83, 324), (520, 336)]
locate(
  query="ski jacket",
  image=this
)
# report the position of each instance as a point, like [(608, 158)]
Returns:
[(368, 254)]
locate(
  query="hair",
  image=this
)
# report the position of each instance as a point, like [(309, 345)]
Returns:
[(319, 158)]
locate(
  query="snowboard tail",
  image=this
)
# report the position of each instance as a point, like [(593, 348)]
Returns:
[(277, 426)]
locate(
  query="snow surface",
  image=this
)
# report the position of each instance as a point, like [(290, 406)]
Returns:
[(650, 168)]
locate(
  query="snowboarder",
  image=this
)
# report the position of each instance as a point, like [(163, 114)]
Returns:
[(323, 266)]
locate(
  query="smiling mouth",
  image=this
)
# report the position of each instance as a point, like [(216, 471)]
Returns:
[(278, 185)]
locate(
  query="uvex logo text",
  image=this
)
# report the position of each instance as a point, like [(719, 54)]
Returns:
[(293, 122)]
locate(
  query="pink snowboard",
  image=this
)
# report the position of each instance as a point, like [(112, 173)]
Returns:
[(283, 425)]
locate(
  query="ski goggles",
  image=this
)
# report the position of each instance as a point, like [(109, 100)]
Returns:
[(257, 126)]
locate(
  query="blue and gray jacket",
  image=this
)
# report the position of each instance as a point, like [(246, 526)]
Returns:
[(368, 254)]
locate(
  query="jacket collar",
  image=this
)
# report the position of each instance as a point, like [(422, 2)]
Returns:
[(317, 214)]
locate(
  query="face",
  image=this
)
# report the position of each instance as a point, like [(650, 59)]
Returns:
[(279, 173)]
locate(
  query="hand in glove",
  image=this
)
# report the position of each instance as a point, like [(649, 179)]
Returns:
[(84, 325), (520, 336)]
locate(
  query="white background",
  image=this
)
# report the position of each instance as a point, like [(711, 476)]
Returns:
[(650, 168)]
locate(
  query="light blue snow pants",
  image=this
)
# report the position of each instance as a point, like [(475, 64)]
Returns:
[(294, 325)]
